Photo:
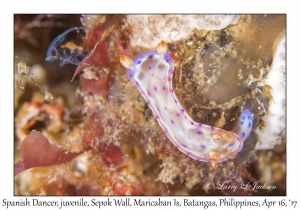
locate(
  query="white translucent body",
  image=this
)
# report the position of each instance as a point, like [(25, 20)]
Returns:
[(152, 75)]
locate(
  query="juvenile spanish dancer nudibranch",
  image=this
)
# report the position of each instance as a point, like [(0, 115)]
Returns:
[(151, 72)]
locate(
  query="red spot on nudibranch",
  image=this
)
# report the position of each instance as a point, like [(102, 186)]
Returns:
[(167, 79)]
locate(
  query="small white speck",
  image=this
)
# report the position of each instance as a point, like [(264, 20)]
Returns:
[(190, 42)]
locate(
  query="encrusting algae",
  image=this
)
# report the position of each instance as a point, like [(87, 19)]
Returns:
[(192, 107)]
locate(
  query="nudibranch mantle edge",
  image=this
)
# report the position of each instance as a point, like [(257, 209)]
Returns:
[(151, 72)]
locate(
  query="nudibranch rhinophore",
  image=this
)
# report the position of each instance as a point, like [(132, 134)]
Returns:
[(151, 72)]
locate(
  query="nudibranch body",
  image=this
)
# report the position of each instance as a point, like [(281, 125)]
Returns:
[(151, 72)]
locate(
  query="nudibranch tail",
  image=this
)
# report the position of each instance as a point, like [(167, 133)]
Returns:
[(244, 126), (151, 73)]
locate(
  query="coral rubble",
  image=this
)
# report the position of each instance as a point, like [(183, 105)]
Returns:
[(98, 136)]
